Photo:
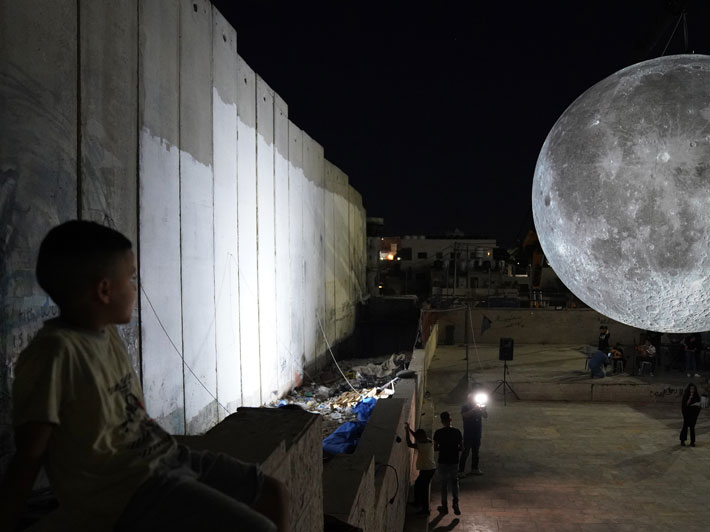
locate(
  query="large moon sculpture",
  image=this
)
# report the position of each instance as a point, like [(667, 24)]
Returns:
[(621, 195)]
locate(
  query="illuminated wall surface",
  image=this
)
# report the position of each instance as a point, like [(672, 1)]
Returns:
[(246, 235)]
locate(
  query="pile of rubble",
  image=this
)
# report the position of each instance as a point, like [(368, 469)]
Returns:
[(334, 397)]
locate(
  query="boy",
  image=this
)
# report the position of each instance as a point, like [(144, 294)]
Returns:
[(79, 411), (425, 465), (448, 442)]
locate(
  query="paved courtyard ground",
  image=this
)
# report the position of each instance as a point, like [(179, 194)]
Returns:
[(578, 466)]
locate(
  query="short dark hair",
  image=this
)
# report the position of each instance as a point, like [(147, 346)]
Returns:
[(445, 416), (74, 254), (420, 433)]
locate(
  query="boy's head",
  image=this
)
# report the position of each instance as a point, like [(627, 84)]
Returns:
[(445, 418), (420, 435), (78, 259)]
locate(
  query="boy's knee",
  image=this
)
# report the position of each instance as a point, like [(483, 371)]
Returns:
[(273, 502)]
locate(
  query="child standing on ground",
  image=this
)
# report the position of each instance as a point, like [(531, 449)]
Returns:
[(425, 464), (79, 412)]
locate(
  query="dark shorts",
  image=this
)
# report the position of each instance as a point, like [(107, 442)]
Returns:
[(199, 490)]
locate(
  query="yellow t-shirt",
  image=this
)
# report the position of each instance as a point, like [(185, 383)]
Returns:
[(104, 445), (425, 456)]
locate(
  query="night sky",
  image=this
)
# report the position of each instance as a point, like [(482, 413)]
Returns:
[(437, 110)]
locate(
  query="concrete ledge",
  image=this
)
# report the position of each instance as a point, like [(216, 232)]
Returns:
[(348, 489), (595, 391), (358, 488), (287, 445)]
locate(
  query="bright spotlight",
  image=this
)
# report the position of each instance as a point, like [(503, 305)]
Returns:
[(481, 399)]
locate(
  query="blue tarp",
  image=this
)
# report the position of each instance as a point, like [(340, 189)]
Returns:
[(344, 439)]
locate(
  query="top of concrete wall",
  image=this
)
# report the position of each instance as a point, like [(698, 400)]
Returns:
[(281, 132), (355, 198), (246, 92)]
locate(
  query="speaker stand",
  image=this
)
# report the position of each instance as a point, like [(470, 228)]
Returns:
[(505, 384)]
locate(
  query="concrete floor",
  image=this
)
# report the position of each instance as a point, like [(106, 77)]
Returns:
[(571, 465)]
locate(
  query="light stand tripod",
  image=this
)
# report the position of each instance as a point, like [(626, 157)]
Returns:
[(505, 384)]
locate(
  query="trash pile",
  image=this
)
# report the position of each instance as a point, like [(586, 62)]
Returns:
[(334, 398)]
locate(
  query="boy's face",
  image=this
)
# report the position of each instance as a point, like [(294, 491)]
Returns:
[(122, 293)]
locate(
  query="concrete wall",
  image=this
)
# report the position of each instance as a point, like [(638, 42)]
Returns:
[(536, 326), (142, 115)]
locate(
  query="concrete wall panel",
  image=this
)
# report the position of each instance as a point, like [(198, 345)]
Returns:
[(282, 248), (246, 196), (266, 240), (196, 215), (159, 213), (38, 163), (358, 244), (354, 219), (319, 214), (311, 246), (226, 268), (296, 186), (109, 125), (343, 303), (331, 172)]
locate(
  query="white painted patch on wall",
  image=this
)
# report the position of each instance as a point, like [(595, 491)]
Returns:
[(159, 219), (226, 267)]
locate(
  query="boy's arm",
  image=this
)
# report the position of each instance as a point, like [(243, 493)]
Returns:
[(273, 502), (31, 440), (407, 430)]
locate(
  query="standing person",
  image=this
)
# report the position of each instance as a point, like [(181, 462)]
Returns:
[(425, 464), (690, 407), (690, 345), (79, 412), (604, 337), (472, 415), (447, 441)]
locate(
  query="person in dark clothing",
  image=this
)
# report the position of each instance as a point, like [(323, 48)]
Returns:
[(690, 406), (691, 346), (596, 361), (604, 336), (447, 441), (472, 415)]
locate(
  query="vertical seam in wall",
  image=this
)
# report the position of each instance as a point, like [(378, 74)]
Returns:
[(138, 188), (79, 187), (179, 136)]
